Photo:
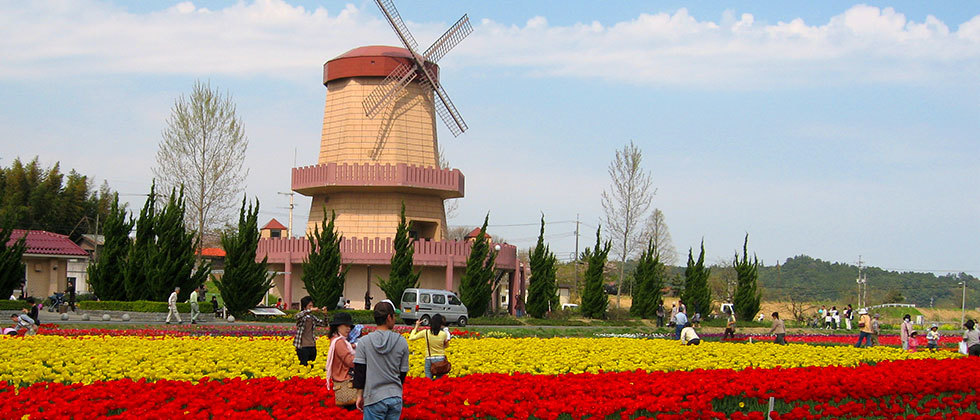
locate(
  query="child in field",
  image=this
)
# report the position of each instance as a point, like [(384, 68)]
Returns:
[(932, 337), (913, 342)]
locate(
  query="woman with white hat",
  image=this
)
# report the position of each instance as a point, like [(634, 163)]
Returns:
[(864, 324)]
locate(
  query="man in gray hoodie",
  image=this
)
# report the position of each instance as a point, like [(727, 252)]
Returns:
[(380, 366)]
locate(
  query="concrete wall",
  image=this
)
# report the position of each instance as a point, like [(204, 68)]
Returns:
[(358, 281), (45, 276)]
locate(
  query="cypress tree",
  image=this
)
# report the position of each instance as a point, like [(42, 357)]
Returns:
[(174, 258), (245, 281), (106, 275), (402, 275), (747, 297), (697, 294), (650, 276), (135, 272), (594, 299), (11, 261), (323, 274), (476, 286), (542, 293)]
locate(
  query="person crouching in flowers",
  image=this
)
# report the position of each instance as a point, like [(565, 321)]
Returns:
[(24, 322), (932, 338), (436, 340), (340, 361), (972, 338), (689, 337)]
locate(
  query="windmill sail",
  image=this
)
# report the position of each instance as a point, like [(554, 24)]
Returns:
[(461, 29)]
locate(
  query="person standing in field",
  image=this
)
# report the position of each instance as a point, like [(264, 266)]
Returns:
[(436, 341), (172, 306), (848, 316), (380, 367), (875, 330), (195, 310), (906, 331), (680, 321), (340, 361), (778, 328), (661, 312), (305, 338), (730, 325), (864, 324), (932, 338)]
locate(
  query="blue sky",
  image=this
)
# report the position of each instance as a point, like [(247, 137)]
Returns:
[(834, 129)]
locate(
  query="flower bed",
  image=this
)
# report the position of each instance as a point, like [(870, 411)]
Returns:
[(947, 340), (206, 330), (886, 390), (87, 359)]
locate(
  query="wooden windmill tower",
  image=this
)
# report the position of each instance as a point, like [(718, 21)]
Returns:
[(379, 147)]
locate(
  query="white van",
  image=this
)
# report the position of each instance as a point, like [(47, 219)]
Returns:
[(425, 303)]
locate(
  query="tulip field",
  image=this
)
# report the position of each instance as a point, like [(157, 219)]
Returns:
[(245, 372)]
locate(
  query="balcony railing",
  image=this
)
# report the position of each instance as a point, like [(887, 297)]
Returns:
[(332, 177), (378, 251)]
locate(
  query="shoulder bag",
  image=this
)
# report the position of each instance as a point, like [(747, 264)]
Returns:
[(441, 367), (343, 391)]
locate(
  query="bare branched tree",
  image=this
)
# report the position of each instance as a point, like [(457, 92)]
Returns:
[(452, 204), (203, 149), (626, 204), (656, 231), (458, 233), (723, 280)]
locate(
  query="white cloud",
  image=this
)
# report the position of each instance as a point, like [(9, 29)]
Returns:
[(272, 37)]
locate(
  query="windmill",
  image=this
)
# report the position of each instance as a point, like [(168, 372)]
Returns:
[(393, 85)]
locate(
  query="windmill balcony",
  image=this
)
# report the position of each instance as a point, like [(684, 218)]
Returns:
[(333, 177), (378, 251)]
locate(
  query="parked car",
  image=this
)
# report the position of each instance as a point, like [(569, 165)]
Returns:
[(425, 303)]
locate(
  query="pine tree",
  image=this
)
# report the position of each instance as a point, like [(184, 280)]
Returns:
[(106, 274), (323, 273), (11, 260), (747, 297), (594, 299), (650, 276), (476, 286), (245, 281), (542, 291), (139, 257), (402, 275), (697, 293)]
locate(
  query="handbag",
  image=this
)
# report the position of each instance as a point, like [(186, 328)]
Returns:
[(441, 367), (963, 349), (344, 392)]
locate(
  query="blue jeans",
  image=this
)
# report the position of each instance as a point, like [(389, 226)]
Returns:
[(865, 337), (677, 331), (428, 366), (387, 409)]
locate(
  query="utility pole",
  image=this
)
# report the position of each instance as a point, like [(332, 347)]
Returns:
[(290, 194), (575, 258), (862, 284), (963, 314)]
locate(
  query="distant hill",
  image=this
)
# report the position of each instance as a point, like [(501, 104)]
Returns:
[(818, 280)]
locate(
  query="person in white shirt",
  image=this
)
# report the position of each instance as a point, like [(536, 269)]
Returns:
[(172, 306), (689, 337), (195, 310)]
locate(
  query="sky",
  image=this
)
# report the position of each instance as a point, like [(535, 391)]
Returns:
[(833, 129)]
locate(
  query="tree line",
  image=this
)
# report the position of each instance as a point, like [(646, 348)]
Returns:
[(38, 198)]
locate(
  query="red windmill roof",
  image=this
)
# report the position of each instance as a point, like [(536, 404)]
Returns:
[(274, 224), (46, 243)]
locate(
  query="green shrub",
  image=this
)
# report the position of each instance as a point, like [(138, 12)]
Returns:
[(494, 320), (139, 306), (13, 305), (359, 316)]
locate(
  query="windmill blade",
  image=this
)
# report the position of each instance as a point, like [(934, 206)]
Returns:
[(447, 111), (395, 20), (461, 29), (388, 89)]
